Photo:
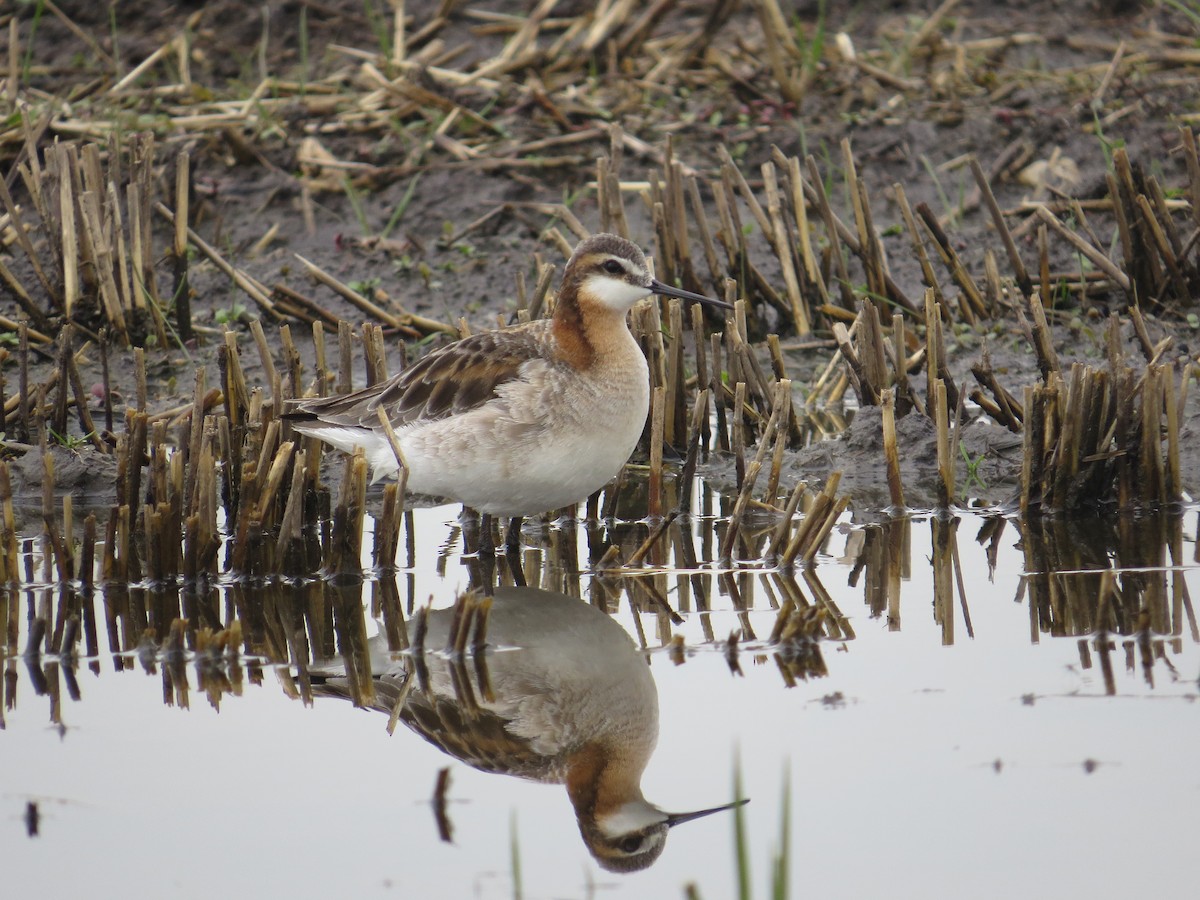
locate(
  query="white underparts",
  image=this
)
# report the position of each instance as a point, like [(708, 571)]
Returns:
[(375, 446)]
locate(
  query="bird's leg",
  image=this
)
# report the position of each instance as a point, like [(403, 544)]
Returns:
[(481, 570), (468, 523), (512, 551), (512, 537), (516, 570), (487, 543)]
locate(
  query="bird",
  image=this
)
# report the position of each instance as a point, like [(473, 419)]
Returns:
[(566, 699), (522, 420)]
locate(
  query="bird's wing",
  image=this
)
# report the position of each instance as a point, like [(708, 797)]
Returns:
[(478, 737), (472, 734), (451, 380)]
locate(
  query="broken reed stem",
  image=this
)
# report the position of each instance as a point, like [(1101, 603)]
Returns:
[(777, 431), (63, 555), (179, 246), (408, 324), (890, 449), (1005, 408), (973, 305), (782, 530), (10, 564), (783, 251), (738, 433), (1102, 262), (345, 547), (941, 539), (252, 288), (944, 449), (637, 557), (289, 548), (1024, 283), (655, 486), (389, 523), (1099, 434), (697, 430), (867, 395), (816, 524), (734, 525)]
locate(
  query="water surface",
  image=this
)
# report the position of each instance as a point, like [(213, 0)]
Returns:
[(1010, 725)]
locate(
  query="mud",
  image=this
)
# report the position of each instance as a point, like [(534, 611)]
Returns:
[(1041, 94)]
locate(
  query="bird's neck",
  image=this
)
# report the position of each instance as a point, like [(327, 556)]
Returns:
[(583, 338), (599, 781)]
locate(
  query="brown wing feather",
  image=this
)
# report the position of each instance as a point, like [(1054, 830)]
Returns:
[(480, 738), (451, 380)]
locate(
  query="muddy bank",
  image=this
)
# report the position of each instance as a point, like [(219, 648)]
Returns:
[(443, 206)]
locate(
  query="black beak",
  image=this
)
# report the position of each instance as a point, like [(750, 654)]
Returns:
[(674, 819), (667, 291)]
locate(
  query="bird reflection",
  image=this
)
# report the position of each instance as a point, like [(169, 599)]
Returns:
[(562, 697)]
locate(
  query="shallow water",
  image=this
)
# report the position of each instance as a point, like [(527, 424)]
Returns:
[(971, 733)]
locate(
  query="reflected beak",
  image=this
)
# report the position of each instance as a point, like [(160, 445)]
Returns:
[(674, 819), (667, 291)]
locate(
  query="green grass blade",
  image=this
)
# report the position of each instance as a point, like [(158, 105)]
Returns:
[(514, 850), (402, 206), (739, 834), (779, 880)]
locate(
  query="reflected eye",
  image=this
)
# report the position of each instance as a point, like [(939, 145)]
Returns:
[(630, 844), (612, 267)]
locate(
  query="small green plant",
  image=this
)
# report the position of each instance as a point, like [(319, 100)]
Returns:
[(38, 8), (426, 273), (402, 206), (813, 48), (1188, 9), (364, 286), (1107, 146), (973, 477), (70, 441), (164, 314), (828, 168), (1061, 295), (356, 203), (380, 27), (802, 136), (228, 315), (953, 211), (570, 198)]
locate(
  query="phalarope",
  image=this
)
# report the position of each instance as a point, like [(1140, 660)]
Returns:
[(522, 420), (569, 701)]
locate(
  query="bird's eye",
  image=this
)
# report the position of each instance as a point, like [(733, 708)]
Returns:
[(612, 267), (631, 844)]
